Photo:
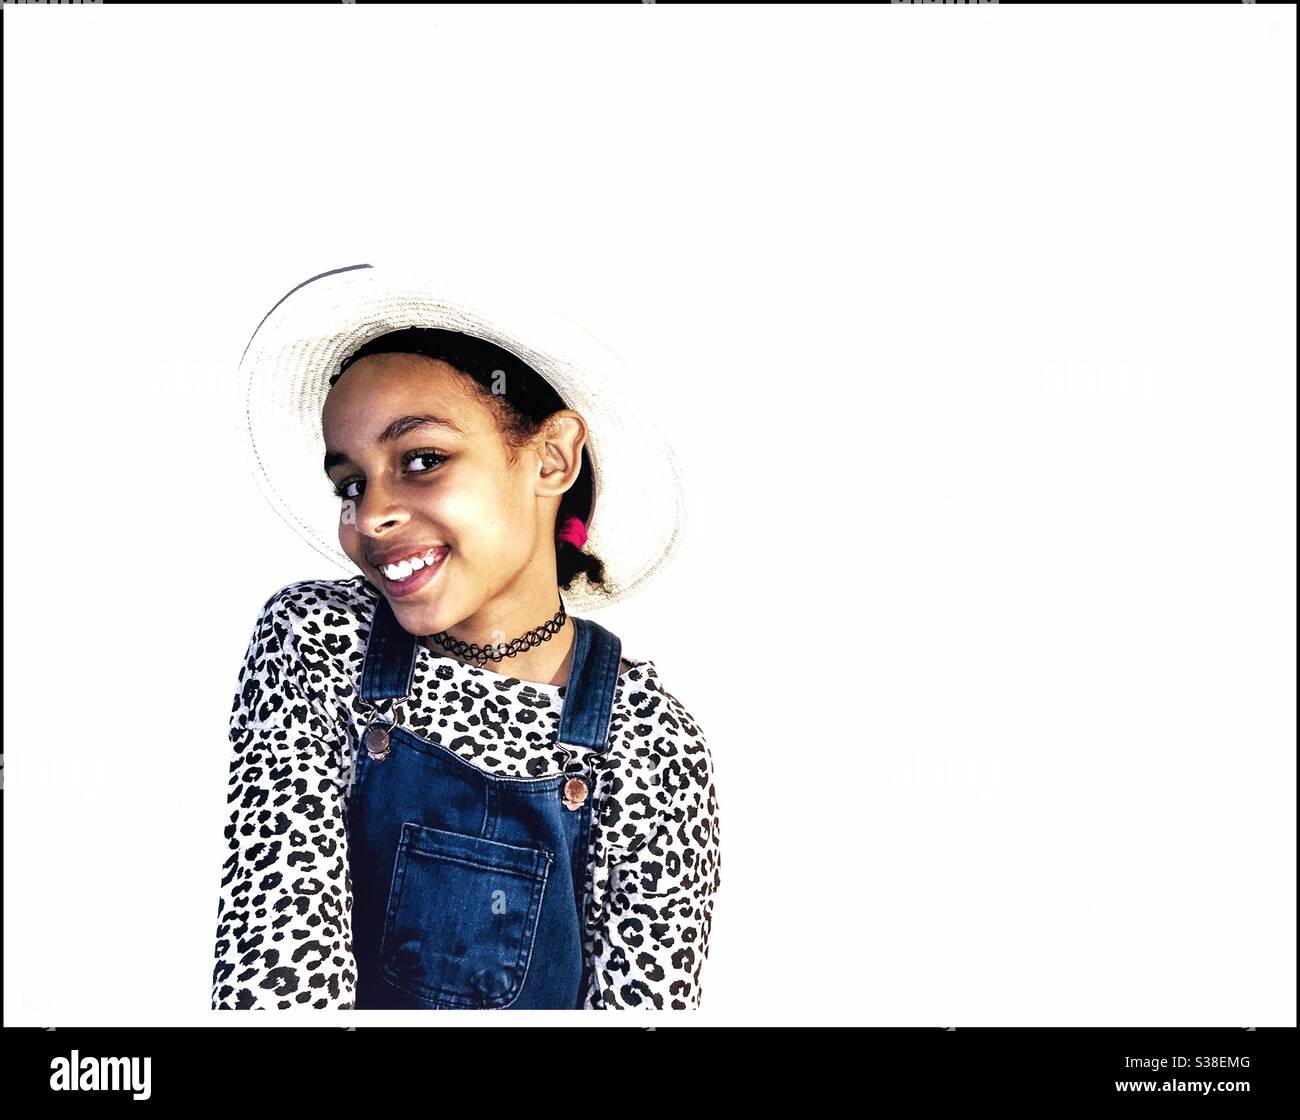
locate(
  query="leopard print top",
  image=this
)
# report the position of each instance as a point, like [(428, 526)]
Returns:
[(284, 913)]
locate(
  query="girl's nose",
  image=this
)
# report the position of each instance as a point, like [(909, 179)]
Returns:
[(377, 511)]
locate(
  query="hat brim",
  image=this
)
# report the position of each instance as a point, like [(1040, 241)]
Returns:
[(638, 509)]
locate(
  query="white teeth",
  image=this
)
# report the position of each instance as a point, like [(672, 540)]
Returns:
[(399, 572)]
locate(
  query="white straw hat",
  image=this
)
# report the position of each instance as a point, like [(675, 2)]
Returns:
[(638, 511)]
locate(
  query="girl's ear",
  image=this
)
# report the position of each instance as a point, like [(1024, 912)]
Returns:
[(563, 437)]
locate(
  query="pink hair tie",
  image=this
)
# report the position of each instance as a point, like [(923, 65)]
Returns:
[(574, 531)]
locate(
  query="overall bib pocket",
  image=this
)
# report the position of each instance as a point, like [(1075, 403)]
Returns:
[(462, 917)]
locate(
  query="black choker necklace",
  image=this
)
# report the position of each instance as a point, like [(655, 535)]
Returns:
[(480, 655)]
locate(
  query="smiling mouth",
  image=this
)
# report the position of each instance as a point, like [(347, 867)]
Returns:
[(409, 567)]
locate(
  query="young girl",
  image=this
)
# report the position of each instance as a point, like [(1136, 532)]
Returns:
[(447, 790)]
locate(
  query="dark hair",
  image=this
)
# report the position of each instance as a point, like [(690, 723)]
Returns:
[(521, 412)]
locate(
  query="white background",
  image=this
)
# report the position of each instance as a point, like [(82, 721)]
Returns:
[(975, 329)]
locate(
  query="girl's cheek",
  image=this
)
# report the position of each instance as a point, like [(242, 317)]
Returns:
[(348, 527)]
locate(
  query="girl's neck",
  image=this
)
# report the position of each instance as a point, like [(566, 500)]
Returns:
[(547, 663)]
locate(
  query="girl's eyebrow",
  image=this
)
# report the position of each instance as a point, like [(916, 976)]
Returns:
[(398, 428)]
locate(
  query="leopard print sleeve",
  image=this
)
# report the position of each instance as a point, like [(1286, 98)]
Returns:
[(654, 936), (284, 913)]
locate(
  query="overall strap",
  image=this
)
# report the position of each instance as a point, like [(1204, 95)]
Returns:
[(589, 695), (389, 671)]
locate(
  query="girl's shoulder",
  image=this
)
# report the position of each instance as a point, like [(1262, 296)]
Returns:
[(645, 700), (330, 614), (345, 600)]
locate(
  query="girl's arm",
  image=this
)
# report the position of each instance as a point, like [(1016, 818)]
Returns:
[(653, 936), (284, 931)]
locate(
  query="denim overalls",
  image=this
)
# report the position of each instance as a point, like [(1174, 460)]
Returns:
[(468, 889)]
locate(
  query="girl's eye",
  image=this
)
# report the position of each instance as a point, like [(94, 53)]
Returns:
[(430, 456), (431, 460)]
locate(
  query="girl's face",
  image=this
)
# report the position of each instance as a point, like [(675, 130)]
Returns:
[(422, 470)]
